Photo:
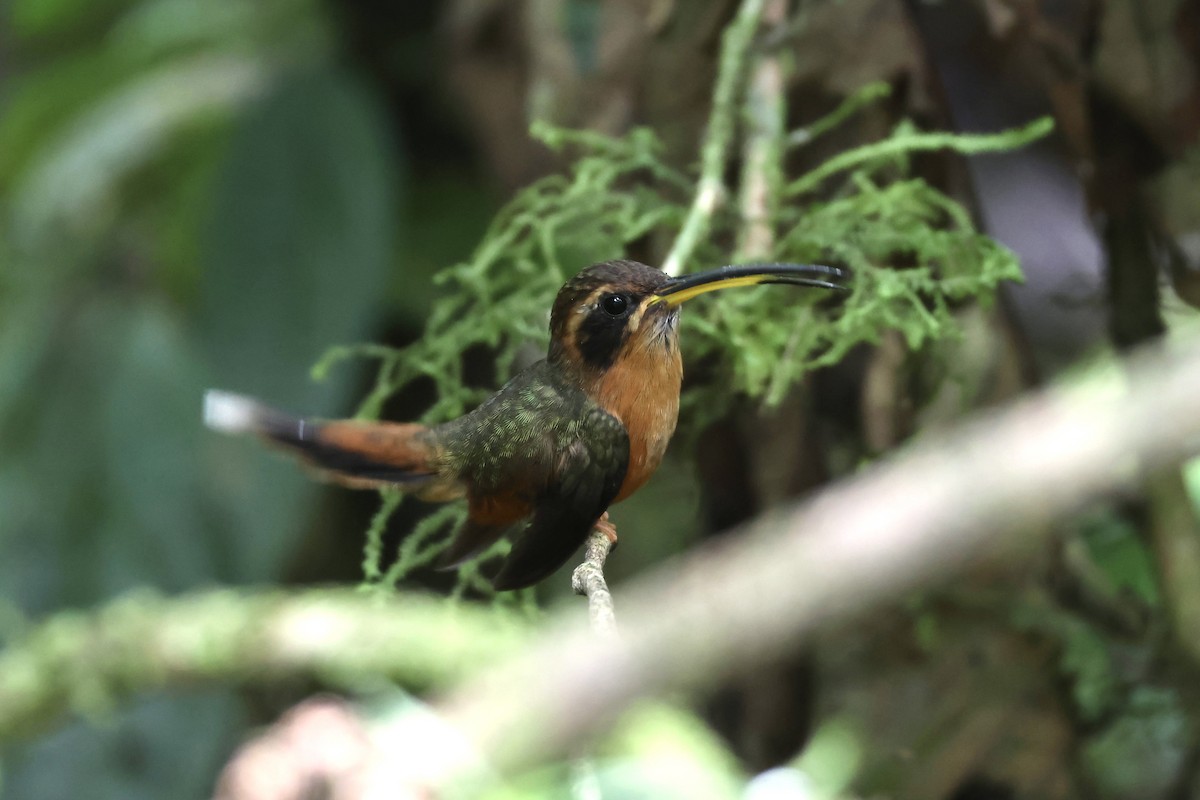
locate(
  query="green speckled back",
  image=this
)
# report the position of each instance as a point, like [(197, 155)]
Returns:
[(519, 438)]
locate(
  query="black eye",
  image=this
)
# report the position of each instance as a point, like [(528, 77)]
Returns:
[(615, 304)]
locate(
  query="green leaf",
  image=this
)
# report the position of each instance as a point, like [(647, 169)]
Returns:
[(832, 758), (295, 258), (302, 235), (1191, 478), (1142, 752), (101, 483), (1119, 552), (72, 183), (158, 747), (1084, 655), (151, 445), (38, 104), (661, 751), (60, 18)]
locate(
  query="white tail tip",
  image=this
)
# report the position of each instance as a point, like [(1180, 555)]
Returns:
[(230, 413)]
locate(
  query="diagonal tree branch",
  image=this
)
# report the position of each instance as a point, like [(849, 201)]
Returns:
[(901, 524), (911, 520)]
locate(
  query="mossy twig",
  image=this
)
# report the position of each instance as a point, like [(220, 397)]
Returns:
[(913, 142), (862, 97), (710, 190), (766, 119), (91, 663)]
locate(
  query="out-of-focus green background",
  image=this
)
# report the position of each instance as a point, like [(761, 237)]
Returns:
[(201, 193), (198, 193)]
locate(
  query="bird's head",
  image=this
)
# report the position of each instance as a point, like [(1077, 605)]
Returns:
[(612, 306)]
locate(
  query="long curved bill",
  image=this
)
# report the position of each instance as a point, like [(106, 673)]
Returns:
[(686, 287)]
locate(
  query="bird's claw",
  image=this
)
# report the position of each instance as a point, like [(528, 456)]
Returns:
[(606, 526)]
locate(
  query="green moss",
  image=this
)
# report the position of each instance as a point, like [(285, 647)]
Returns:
[(914, 253)]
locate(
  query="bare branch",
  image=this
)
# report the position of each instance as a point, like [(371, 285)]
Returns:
[(588, 580), (866, 541)]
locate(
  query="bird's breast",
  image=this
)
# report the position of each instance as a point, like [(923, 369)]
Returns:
[(642, 391)]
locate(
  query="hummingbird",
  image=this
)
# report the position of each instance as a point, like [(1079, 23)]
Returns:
[(559, 443)]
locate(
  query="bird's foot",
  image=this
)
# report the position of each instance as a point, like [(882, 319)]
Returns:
[(608, 528)]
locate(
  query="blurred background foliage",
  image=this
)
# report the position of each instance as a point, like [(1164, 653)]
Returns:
[(193, 194), (215, 193)]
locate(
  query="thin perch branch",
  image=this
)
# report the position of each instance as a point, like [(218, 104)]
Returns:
[(588, 580)]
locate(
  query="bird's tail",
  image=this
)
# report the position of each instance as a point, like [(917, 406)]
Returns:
[(351, 452)]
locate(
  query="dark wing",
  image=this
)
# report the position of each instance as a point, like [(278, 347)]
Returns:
[(586, 478)]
